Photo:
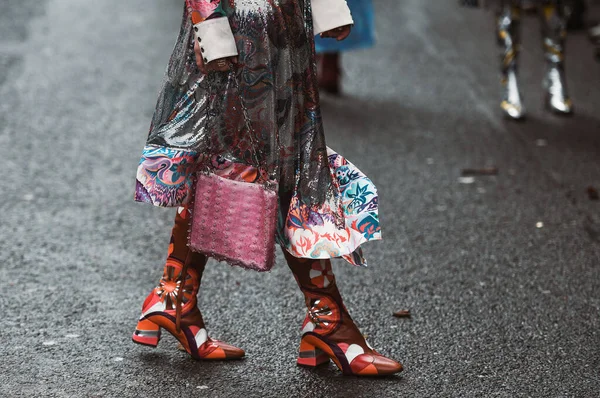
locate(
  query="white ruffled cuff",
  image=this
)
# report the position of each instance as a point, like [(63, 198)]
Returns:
[(330, 14), (215, 38)]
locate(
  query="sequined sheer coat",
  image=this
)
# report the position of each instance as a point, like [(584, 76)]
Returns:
[(263, 115), (201, 114)]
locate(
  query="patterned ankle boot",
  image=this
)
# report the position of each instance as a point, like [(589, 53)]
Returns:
[(328, 332), (173, 304)]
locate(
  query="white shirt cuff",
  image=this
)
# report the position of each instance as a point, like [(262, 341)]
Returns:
[(330, 14), (215, 38)]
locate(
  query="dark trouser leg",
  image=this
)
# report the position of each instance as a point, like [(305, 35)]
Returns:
[(330, 72)]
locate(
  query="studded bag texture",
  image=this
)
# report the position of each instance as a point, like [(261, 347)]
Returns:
[(235, 221)]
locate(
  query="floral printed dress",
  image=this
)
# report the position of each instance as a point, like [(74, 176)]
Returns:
[(262, 120)]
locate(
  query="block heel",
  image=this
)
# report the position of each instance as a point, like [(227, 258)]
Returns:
[(146, 333), (311, 356)]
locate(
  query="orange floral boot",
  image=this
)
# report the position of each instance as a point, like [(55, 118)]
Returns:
[(328, 332), (173, 304)]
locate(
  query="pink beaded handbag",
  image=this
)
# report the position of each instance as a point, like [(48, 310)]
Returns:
[(235, 221)]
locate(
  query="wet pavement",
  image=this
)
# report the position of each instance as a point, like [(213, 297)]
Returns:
[(501, 272)]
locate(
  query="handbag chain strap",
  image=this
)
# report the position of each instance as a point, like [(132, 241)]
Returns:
[(269, 184), (272, 176)]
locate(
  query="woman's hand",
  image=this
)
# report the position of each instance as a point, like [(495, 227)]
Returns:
[(218, 65), (338, 33)]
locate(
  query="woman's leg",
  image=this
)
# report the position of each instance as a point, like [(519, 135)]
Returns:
[(508, 30), (180, 283), (554, 32), (328, 331)]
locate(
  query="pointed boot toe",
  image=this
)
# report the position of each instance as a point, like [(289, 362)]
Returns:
[(513, 111), (387, 366), (559, 106), (374, 365), (231, 352)]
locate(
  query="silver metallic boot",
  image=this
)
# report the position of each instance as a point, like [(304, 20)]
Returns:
[(554, 33), (509, 36)]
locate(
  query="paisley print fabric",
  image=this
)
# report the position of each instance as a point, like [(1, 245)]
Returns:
[(312, 232), (164, 176), (262, 120)]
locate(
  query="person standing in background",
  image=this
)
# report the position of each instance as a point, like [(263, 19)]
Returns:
[(554, 32), (329, 51)]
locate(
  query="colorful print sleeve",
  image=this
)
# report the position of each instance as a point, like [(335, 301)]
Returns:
[(211, 29), (330, 14), (201, 10)]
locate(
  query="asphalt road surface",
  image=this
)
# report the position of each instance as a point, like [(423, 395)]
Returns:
[(502, 274)]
